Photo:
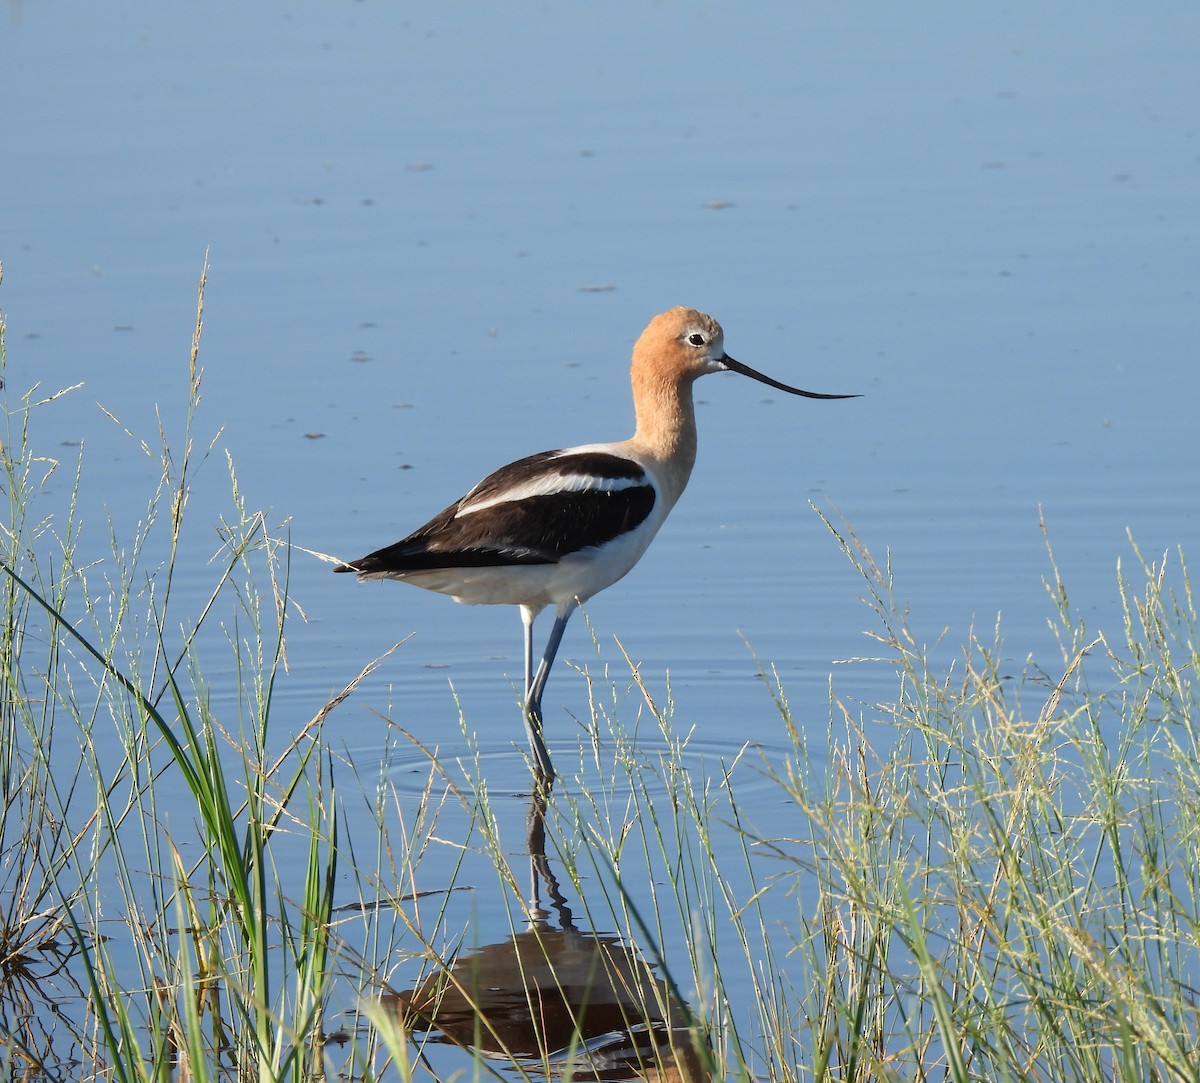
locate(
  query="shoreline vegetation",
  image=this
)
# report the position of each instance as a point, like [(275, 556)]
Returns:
[(989, 877)]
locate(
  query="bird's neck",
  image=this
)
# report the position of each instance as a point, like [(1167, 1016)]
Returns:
[(666, 426)]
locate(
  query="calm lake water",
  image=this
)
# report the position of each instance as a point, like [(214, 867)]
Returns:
[(435, 231)]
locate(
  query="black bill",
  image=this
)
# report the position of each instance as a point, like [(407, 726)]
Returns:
[(754, 374)]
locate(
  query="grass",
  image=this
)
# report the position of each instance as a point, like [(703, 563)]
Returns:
[(983, 878)]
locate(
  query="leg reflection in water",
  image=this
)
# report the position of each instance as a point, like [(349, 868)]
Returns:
[(557, 999), (540, 871)]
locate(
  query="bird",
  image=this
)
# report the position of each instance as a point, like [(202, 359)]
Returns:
[(555, 528)]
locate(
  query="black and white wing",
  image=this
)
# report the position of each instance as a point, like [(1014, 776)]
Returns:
[(536, 510)]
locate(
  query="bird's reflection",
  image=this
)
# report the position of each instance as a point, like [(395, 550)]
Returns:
[(581, 1005)]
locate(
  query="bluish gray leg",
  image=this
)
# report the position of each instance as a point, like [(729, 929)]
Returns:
[(533, 701), (528, 616)]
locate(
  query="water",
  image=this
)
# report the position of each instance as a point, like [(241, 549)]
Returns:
[(435, 231)]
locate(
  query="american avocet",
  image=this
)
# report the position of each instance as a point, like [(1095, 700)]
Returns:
[(557, 527)]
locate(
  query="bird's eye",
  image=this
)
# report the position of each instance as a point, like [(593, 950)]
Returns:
[(697, 339)]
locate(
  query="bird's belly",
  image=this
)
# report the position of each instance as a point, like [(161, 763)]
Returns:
[(577, 576)]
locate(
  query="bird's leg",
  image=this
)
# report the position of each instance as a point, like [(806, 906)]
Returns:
[(543, 768), (533, 713), (533, 700), (528, 616), (543, 671)]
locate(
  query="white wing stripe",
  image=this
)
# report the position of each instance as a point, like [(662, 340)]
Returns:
[(549, 485)]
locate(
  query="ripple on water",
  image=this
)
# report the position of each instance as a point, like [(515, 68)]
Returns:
[(501, 766)]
